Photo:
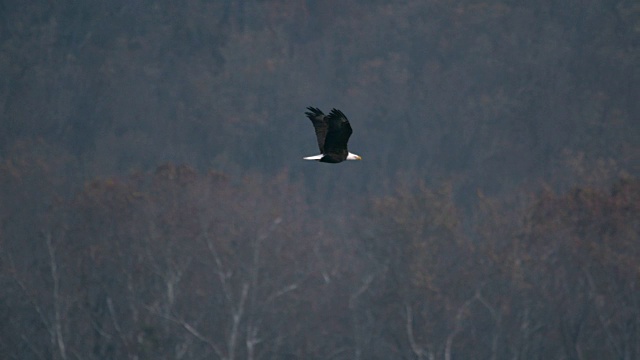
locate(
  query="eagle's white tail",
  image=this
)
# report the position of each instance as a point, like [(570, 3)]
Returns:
[(314, 157)]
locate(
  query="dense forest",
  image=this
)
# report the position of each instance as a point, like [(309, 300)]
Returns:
[(154, 203)]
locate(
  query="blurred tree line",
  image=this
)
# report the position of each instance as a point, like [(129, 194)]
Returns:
[(153, 204)]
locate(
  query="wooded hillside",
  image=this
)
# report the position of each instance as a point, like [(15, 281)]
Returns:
[(154, 203)]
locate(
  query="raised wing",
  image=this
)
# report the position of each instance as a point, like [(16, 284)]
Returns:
[(319, 124), (338, 134)]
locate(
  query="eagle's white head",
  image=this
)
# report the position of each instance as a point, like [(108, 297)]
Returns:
[(353, 156)]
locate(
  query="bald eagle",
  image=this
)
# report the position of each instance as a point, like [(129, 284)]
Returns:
[(333, 132)]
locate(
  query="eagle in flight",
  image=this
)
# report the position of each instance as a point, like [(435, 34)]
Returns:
[(333, 132)]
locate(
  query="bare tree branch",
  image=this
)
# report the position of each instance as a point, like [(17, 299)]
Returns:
[(365, 285), (457, 327), (190, 329), (57, 323), (237, 317), (417, 349)]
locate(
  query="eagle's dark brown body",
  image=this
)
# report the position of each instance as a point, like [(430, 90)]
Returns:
[(332, 132)]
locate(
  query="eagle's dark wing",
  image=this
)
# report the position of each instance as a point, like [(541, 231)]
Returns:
[(319, 124), (338, 134)]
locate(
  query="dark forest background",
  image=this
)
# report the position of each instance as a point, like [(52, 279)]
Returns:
[(154, 203)]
